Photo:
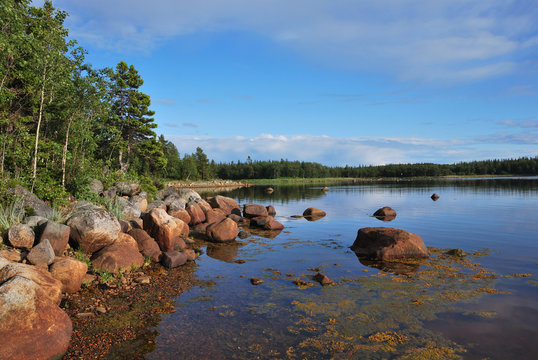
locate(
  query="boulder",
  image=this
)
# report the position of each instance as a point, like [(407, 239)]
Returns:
[(214, 215), (383, 243), (182, 215), (226, 204), (42, 253), (146, 244), (11, 255), (96, 187), (70, 272), (273, 225), (162, 194), (325, 189), (223, 231), (243, 234), (21, 236), (164, 228), (253, 210), (322, 279), (82, 206), (140, 201), (92, 230), (176, 204), (125, 226), (190, 253), (314, 213), (172, 259), (269, 190), (33, 221), (124, 238), (189, 195), (4, 261), (31, 201), (236, 218), (173, 197), (271, 211), (196, 213), (435, 197), (156, 204), (110, 193), (51, 287), (31, 326), (57, 235), (120, 255), (260, 221), (386, 213), (126, 188)]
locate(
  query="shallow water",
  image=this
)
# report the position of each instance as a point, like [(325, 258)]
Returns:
[(472, 308)]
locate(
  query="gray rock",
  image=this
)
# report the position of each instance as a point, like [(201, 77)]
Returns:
[(42, 253), (34, 221), (156, 204), (140, 201), (96, 187), (177, 205), (110, 193), (21, 236), (126, 188), (31, 201), (94, 229)]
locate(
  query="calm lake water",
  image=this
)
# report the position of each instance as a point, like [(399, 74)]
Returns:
[(484, 305)]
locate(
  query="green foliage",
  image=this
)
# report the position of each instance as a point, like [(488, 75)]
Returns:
[(115, 206), (80, 255), (296, 169), (104, 275), (11, 213), (59, 215)]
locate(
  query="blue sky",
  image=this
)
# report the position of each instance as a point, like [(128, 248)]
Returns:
[(337, 82)]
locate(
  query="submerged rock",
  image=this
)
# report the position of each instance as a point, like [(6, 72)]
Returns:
[(386, 213), (435, 197), (322, 279), (313, 214), (383, 243)]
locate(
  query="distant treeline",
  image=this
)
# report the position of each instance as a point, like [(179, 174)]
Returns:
[(300, 169)]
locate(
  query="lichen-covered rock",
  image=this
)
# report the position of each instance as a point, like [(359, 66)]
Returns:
[(156, 204), (224, 231), (31, 201), (140, 201), (96, 187), (92, 230), (57, 235), (42, 253), (21, 236), (70, 272), (31, 326), (383, 243), (52, 288), (126, 188), (254, 210)]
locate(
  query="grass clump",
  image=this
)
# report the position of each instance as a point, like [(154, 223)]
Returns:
[(11, 214)]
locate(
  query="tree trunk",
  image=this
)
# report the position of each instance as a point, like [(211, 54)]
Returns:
[(64, 153), (40, 116)]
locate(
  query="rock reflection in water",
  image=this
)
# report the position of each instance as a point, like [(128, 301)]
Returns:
[(226, 253), (386, 218), (393, 267), (268, 234)]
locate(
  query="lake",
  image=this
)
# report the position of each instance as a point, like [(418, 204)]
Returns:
[(481, 305)]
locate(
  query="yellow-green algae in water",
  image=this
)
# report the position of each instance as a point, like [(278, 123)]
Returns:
[(378, 316)]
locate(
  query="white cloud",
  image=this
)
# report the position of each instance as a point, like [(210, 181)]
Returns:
[(415, 39)]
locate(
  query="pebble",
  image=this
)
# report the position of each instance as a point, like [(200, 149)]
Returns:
[(256, 281), (143, 279), (84, 315), (100, 309)]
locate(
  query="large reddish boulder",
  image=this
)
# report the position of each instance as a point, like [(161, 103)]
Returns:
[(182, 215), (226, 204), (146, 244), (260, 221), (31, 326), (214, 215), (58, 236), (223, 231), (196, 213), (120, 255), (172, 259), (254, 210), (94, 229), (384, 243), (52, 288), (70, 272), (164, 228), (273, 225)]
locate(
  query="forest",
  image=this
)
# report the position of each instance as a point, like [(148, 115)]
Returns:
[(64, 123)]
